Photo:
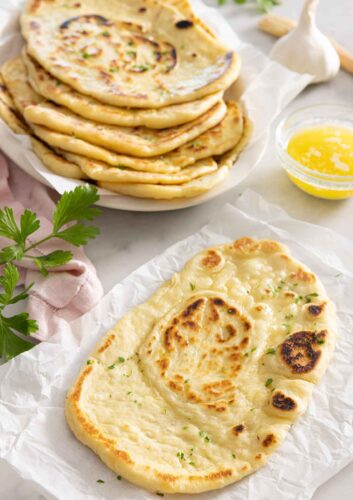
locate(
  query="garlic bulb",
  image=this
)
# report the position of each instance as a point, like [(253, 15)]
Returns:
[(306, 50)]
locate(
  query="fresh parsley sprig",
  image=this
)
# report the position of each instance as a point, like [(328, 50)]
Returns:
[(263, 5), (73, 208)]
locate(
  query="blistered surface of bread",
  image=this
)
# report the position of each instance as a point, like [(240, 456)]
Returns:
[(132, 53), (88, 107), (197, 387)]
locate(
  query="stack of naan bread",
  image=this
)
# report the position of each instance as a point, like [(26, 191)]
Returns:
[(127, 93)]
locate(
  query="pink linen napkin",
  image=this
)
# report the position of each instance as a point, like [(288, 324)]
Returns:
[(70, 290)]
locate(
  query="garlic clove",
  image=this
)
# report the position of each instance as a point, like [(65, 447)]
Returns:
[(306, 50)]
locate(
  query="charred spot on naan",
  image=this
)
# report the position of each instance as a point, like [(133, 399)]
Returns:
[(220, 333), (213, 260), (246, 246), (238, 429), (269, 440), (283, 402), (301, 275), (315, 310), (124, 42), (87, 18), (300, 352)]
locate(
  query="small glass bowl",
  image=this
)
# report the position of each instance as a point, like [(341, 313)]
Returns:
[(333, 187)]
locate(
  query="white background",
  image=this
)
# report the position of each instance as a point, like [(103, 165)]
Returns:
[(129, 239)]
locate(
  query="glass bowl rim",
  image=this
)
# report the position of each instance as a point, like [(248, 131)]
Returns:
[(299, 167)]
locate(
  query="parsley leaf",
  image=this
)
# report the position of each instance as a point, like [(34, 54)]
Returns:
[(10, 344), (78, 234), (53, 259), (29, 224), (8, 281), (263, 5), (8, 226), (75, 206), (11, 252)]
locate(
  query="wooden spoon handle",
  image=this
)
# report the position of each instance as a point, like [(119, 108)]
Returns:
[(280, 26)]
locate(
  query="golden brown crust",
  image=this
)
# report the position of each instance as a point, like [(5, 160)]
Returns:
[(200, 386)]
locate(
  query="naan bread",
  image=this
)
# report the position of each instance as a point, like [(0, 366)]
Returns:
[(140, 141), (88, 107), (197, 387), (128, 52), (167, 192), (97, 170), (54, 162), (188, 189), (215, 141), (136, 141)]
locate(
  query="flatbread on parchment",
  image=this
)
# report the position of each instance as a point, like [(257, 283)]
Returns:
[(197, 387)]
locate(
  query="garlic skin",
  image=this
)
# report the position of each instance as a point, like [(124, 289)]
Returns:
[(306, 50)]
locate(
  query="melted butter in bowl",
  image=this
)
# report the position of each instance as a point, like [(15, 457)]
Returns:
[(315, 146)]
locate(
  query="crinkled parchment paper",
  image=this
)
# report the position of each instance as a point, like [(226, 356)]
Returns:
[(36, 441), (265, 88)]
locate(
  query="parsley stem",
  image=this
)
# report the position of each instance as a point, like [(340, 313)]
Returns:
[(39, 242)]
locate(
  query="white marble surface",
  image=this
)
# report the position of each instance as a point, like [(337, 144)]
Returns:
[(129, 239)]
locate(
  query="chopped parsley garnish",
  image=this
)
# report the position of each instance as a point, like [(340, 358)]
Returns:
[(320, 341), (288, 317), (86, 56), (192, 286), (131, 53), (192, 463), (186, 381), (159, 494), (89, 362), (268, 382), (128, 393), (204, 436), (111, 367), (180, 455), (271, 350), (121, 359), (105, 33), (100, 481), (307, 298), (234, 455), (141, 67), (119, 478), (130, 43), (185, 428)]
